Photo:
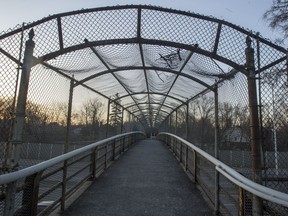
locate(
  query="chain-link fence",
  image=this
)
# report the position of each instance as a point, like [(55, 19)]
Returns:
[(96, 73)]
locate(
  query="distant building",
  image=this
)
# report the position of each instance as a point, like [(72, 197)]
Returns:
[(235, 138)]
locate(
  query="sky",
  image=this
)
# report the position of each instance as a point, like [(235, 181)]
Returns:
[(244, 13)]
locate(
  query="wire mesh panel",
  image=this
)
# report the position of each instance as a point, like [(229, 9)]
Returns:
[(274, 127), (98, 72)]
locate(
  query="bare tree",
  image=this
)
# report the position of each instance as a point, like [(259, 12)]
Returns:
[(6, 117), (226, 115), (277, 16), (202, 113), (91, 115)]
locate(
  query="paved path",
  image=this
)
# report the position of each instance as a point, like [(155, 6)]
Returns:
[(146, 180)]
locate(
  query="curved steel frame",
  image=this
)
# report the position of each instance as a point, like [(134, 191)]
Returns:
[(143, 41)]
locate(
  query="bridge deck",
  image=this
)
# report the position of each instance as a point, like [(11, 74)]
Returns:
[(146, 180)]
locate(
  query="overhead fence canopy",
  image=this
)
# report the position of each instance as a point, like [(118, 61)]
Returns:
[(154, 59)]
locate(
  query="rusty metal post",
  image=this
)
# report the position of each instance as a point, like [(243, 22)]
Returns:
[(241, 202), (108, 115), (216, 149), (66, 146), (13, 152), (255, 138)]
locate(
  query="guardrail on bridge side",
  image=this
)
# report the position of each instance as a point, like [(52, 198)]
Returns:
[(53, 181), (228, 191)]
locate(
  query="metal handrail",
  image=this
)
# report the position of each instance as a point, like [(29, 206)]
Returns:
[(14, 176), (238, 179)]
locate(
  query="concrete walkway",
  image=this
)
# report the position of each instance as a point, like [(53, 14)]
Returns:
[(146, 180)]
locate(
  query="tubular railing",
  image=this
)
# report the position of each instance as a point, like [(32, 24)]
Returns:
[(228, 191), (41, 188)]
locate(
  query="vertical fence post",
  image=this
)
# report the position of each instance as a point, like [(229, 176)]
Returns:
[(180, 154), (186, 158), (176, 121), (255, 140), (216, 149), (66, 146), (108, 114), (195, 166), (114, 150), (241, 202), (129, 122), (12, 158), (122, 121), (105, 156), (187, 120), (30, 195), (170, 123), (93, 163)]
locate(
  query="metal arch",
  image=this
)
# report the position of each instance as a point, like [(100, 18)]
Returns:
[(76, 81), (149, 111), (147, 68), (156, 93), (151, 104), (213, 54), (109, 69), (198, 50), (138, 40), (137, 7)]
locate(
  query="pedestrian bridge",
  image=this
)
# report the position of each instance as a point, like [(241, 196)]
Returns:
[(79, 89), (145, 180)]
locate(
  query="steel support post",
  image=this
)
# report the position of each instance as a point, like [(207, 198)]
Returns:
[(30, 195), (114, 150), (13, 151), (122, 121), (176, 121), (93, 163), (165, 125), (216, 149), (66, 146), (186, 158), (187, 120), (255, 139), (241, 204), (108, 115), (195, 166), (105, 156), (129, 121)]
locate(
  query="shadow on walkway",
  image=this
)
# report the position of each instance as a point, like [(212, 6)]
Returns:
[(146, 180)]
